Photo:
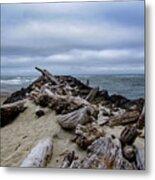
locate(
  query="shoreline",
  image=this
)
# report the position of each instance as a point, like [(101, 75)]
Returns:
[(76, 118)]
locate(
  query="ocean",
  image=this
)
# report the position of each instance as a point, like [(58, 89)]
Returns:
[(129, 85)]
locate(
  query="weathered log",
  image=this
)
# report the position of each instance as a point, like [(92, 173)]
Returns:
[(40, 154), (62, 104), (92, 94), (10, 111), (126, 118), (140, 162), (106, 153), (71, 120), (86, 134), (103, 153), (128, 135), (68, 159), (141, 121), (48, 75)]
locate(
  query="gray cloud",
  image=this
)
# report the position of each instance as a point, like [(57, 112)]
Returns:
[(72, 38)]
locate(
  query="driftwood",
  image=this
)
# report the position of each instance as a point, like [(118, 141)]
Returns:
[(106, 153), (86, 134), (40, 154), (128, 135), (68, 159), (48, 75), (126, 118), (10, 111), (71, 120), (92, 94), (103, 153), (141, 121), (140, 162)]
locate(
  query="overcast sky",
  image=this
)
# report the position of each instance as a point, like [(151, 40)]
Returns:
[(73, 38)]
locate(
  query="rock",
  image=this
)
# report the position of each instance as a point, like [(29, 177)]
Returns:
[(129, 153), (68, 160), (40, 112)]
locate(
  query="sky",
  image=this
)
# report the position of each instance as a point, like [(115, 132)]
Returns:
[(73, 38)]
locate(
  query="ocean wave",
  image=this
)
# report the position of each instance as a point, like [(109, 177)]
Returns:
[(17, 81)]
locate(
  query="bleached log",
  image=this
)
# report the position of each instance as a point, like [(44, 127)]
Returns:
[(10, 111), (129, 153), (127, 117), (40, 154), (71, 120), (48, 75), (92, 94), (140, 161), (103, 153)]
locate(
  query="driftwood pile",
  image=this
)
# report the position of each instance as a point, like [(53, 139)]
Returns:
[(77, 107)]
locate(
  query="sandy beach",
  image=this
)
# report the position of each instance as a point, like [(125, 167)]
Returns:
[(75, 116)]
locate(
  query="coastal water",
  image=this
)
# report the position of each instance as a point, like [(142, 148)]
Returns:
[(128, 85)]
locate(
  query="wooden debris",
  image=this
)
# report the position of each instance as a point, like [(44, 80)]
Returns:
[(10, 111), (126, 118), (92, 94), (40, 154), (48, 75), (140, 162), (128, 135), (141, 121), (68, 159), (86, 134), (106, 153), (71, 120)]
